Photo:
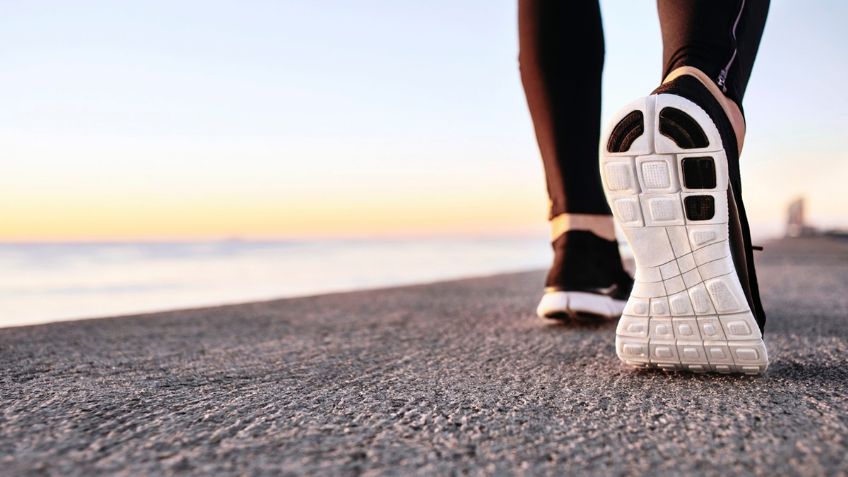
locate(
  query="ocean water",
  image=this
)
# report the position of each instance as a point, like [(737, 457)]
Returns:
[(45, 282)]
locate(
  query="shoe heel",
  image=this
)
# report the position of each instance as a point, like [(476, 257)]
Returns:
[(665, 176)]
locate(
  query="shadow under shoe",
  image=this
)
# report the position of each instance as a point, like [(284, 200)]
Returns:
[(587, 278)]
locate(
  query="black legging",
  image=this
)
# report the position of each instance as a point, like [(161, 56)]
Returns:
[(561, 59)]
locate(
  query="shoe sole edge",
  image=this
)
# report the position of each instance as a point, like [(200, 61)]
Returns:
[(687, 310), (570, 305)]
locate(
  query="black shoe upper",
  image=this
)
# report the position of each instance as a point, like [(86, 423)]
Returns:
[(588, 263), (741, 249)]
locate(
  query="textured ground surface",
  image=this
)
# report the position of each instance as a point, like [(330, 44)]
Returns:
[(447, 378)]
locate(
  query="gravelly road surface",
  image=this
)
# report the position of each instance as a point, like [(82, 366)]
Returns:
[(448, 378)]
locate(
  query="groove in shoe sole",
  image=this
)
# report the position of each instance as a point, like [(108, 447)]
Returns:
[(699, 172), (626, 132), (682, 129), (699, 207)]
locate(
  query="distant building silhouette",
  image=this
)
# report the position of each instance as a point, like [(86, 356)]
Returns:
[(796, 225)]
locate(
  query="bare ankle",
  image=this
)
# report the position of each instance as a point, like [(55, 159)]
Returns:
[(600, 225), (731, 109)]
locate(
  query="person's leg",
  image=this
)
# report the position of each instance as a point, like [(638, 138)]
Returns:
[(718, 37), (716, 41), (670, 170), (561, 60), (561, 57)]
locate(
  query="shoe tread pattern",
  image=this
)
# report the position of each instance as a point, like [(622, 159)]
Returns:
[(687, 310)]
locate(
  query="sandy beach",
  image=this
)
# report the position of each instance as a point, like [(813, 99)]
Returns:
[(452, 377)]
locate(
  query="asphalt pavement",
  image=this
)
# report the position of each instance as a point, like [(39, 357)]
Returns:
[(448, 378)]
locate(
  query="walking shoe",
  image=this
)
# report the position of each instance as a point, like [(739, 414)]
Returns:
[(587, 279), (670, 169)]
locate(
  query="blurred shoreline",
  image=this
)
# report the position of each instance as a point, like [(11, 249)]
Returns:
[(42, 282), (57, 281)]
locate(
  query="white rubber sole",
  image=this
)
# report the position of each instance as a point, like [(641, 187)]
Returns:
[(556, 305), (687, 310)]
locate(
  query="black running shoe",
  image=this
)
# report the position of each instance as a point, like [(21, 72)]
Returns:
[(587, 279), (670, 171)]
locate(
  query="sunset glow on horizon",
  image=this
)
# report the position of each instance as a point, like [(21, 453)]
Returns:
[(249, 191), (198, 217)]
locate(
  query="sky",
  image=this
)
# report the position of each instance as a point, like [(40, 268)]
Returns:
[(210, 119)]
